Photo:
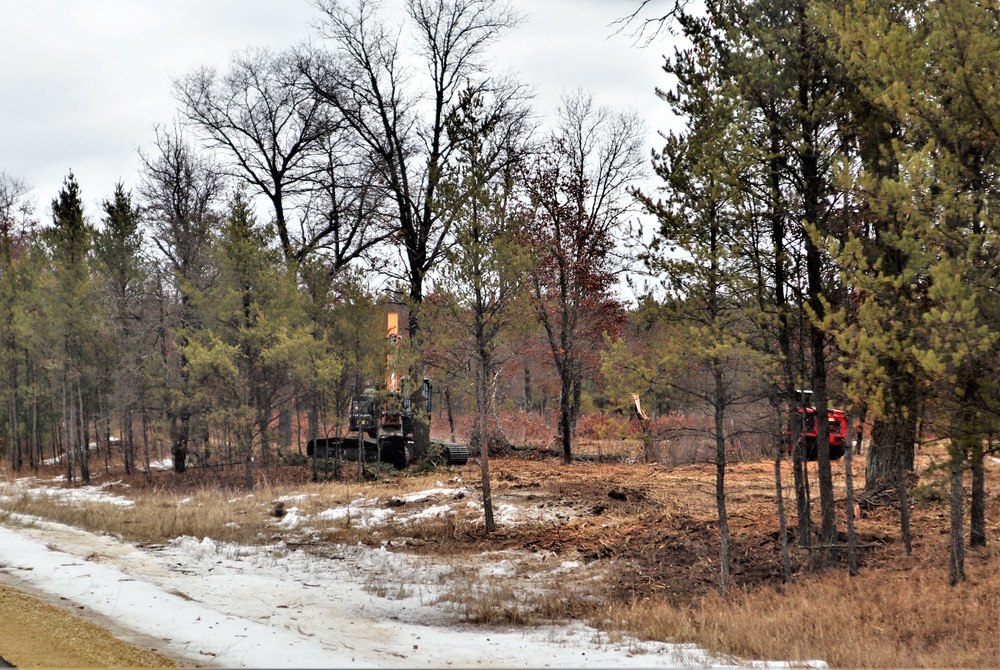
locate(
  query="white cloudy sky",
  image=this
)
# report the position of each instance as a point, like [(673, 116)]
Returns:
[(84, 82)]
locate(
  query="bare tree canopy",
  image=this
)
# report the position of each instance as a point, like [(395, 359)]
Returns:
[(268, 125), (649, 20), (16, 207), (401, 120), (180, 189)]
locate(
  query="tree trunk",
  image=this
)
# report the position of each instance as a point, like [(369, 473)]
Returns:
[(956, 563), (421, 421), (891, 449), (361, 454), (565, 427), (247, 439), (527, 387), (484, 450), (145, 446), (106, 433), (15, 452), (720, 483), (180, 429), (812, 191), (451, 415), (14, 436), (852, 537), (36, 446), (128, 449), (777, 223), (84, 439), (977, 511), (69, 446), (828, 518), (779, 497)]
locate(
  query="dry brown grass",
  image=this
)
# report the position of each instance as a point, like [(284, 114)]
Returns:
[(159, 514), (881, 619), (528, 599), (154, 517)]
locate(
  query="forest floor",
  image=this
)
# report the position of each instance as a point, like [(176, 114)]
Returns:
[(648, 530)]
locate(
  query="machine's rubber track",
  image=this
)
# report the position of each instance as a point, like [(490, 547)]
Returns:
[(458, 454)]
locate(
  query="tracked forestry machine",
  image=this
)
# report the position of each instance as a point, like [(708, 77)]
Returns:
[(380, 422), (802, 423)]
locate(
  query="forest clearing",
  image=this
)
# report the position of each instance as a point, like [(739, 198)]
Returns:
[(628, 548), (370, 325)]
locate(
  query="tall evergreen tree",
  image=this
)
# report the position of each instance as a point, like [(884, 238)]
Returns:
[(931, 67), (180, 191), (16, 218), (74, 317), (487, 262), (255, 337), (708, 223), (118, 251)]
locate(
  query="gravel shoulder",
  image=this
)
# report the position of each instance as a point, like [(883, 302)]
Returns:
[(35, 633)]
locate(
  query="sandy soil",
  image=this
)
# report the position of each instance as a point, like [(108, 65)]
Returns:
[(35, 634)]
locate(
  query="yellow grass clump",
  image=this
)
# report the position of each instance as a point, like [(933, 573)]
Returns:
[(909, 618)]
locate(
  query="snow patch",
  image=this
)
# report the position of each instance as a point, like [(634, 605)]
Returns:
[(362, 517), (302, 497), (421, 496), (291, 519), (197, 550), (75, 496)]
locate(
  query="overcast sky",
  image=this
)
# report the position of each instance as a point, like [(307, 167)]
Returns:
[(85, 81)]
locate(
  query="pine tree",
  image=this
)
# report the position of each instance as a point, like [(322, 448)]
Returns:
[(74, 317), (709, 227), (485, 275), (118, 249), (931, 67), (256, 339)]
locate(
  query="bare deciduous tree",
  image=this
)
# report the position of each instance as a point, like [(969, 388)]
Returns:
[(402, 122), (267, 123)]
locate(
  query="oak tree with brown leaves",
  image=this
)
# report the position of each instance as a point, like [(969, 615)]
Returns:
[(579, 199)]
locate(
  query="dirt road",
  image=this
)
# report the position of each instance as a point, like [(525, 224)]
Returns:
[(35, 634)]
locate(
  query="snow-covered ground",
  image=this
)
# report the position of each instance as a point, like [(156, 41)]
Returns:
[(274, 606)]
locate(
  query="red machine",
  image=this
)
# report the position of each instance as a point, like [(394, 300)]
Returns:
[(807, 431)]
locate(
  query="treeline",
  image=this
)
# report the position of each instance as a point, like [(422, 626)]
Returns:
[(239, 287)]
